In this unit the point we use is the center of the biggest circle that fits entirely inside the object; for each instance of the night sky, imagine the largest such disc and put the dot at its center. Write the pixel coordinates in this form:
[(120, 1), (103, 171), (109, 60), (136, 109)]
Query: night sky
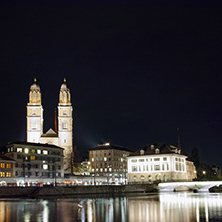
[(137, 71)]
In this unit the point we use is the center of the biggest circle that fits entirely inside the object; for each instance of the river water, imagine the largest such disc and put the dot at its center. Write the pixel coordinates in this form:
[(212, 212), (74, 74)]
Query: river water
[(162, 207)]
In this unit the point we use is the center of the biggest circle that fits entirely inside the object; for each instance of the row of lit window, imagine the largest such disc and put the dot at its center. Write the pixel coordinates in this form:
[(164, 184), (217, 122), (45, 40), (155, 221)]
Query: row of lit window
[(150, 168), (149, 159), (3, 174), (108, 170), (105, 159), (26, 150), (7, 165), (118, 164)]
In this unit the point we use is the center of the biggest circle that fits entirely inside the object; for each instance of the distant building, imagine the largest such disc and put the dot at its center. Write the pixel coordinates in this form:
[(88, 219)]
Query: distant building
[(35, 162), (63, 137), (109, 161), (159, 161)]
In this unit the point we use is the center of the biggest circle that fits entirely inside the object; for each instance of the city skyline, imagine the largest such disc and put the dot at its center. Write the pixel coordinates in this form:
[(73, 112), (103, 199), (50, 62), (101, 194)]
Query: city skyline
[(136, 72)]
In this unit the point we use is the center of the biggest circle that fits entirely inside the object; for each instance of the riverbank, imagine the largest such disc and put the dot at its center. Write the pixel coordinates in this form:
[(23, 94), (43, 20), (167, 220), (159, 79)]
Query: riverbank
[(34, 192)]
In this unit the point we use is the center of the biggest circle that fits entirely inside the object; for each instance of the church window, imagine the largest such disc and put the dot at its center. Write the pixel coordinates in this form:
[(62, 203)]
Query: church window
[(64, 113), (34, 125), (64, 125)]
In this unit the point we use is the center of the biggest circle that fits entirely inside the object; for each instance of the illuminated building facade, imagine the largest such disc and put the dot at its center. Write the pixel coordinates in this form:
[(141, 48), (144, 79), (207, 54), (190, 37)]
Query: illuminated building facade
[(109, 161), (6, 169), (156, 162), (35, 162), (62, 137)]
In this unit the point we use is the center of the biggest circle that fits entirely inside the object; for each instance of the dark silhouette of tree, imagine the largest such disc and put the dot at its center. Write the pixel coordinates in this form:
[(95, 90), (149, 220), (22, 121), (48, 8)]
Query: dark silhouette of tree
[(195, 156)]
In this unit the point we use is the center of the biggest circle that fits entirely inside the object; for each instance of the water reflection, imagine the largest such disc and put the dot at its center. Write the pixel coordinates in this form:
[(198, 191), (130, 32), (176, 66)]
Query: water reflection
[(164, 207)]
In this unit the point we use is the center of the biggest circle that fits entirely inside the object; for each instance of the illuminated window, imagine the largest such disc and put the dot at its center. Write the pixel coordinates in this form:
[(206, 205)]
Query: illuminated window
[(92, 159), (19, 150), (45, 152), (39, 151), (2, 165), (33, 150), (101, 170), (26, 150), (45, 166), (92, 170), (105, 159), (105, 169), (8, 174), (110, 169), (32, 157), (8, 165)]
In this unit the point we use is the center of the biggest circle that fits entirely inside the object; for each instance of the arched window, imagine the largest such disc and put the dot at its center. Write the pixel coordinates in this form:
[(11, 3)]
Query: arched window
[(34, 125), (157, 151), (64, 125)]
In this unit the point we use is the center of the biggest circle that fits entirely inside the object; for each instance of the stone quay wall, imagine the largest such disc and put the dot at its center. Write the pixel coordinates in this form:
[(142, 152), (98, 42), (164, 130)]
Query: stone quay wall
[(33, 192)]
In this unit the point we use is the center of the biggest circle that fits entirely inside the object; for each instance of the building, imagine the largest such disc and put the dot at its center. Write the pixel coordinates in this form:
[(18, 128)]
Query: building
[(35, 162), (63, 137), (6, 169), (160, 161), (109, 161)]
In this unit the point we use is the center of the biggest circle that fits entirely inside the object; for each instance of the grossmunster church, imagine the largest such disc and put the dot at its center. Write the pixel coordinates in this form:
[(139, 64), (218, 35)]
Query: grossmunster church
[(62, 136)]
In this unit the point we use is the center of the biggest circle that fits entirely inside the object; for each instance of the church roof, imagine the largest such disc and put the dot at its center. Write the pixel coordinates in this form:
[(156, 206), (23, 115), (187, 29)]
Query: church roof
[(35, 144), (50, 133), (164, 148)]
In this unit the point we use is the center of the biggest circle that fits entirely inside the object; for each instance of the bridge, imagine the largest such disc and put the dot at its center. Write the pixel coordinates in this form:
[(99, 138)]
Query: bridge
[(196, 186)]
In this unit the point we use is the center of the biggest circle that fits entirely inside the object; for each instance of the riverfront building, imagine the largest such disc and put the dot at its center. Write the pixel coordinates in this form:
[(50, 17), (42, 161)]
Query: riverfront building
[(35, 163), (63, 136), (109, 161), (161, 161)]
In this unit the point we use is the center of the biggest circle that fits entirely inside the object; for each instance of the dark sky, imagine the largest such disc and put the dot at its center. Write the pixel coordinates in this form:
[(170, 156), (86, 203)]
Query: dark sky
[(137, 71)]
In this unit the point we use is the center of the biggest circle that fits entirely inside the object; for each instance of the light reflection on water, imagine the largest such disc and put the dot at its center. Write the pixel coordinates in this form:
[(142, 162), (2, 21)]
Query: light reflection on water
[(164, 207)]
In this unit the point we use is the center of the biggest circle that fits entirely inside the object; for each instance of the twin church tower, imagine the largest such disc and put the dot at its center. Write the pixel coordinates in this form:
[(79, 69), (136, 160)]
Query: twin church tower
[(63, 136)]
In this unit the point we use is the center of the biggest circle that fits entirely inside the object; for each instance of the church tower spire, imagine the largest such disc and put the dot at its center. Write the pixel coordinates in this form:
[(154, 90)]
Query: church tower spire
[(34, 114)]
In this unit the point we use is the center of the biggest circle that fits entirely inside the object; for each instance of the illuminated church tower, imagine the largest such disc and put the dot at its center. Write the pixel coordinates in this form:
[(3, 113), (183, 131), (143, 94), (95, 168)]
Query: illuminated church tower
[(34, 114), (64, 136), (65, 128)]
